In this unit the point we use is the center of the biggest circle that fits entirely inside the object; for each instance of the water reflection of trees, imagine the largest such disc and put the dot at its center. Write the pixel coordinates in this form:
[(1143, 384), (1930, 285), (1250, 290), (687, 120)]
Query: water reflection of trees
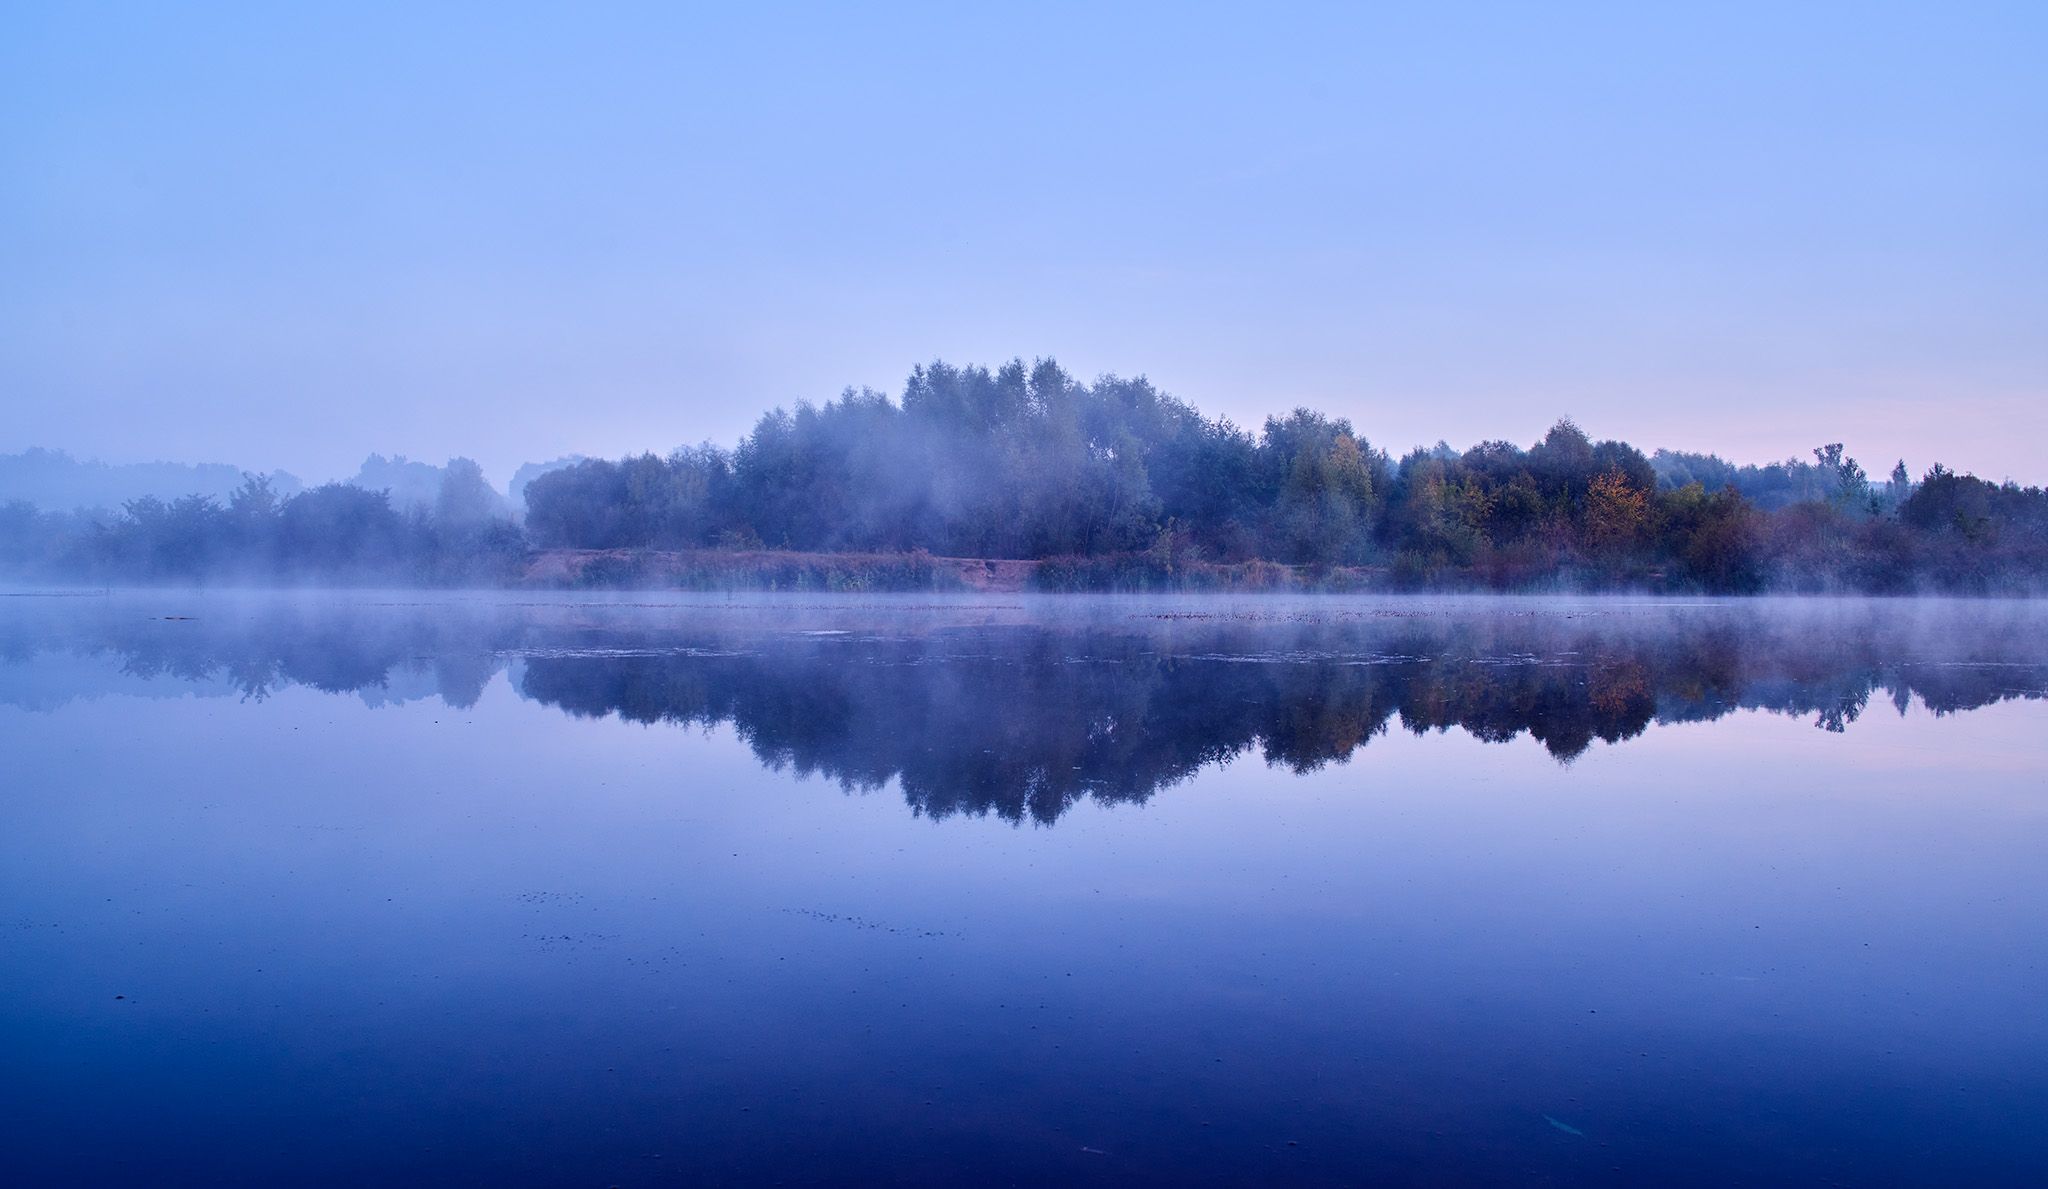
[(260, 649), (1023, 717)]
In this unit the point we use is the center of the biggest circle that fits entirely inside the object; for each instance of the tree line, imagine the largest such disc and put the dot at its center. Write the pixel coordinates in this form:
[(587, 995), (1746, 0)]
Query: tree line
[(1115, 484), (333, 532)]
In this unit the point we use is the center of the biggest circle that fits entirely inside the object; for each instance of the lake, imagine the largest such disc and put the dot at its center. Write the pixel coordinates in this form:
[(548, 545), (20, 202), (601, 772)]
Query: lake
[(392, 888)]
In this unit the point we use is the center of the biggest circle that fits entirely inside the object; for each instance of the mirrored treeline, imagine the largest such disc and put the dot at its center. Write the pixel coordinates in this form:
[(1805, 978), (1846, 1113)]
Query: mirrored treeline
[(1024, 709)]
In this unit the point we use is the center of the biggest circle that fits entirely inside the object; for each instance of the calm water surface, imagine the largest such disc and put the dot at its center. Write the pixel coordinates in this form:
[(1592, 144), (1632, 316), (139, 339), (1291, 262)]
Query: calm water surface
[(397, 889)]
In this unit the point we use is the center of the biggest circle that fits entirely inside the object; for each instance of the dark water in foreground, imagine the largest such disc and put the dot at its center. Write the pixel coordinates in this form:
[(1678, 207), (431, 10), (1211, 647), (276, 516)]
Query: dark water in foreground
[(373, 889)]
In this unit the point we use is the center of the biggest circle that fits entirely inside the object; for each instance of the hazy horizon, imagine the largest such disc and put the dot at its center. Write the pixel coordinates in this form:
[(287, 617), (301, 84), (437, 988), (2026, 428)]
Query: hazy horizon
[(499, 475), (292, 239)]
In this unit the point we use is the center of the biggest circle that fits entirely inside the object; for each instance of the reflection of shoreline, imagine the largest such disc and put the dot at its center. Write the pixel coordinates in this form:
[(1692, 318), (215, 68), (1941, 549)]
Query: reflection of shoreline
[(979, 710)]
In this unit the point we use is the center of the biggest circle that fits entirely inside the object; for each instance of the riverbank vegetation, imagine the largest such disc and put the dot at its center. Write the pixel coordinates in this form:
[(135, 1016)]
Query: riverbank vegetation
[(1105, 485)]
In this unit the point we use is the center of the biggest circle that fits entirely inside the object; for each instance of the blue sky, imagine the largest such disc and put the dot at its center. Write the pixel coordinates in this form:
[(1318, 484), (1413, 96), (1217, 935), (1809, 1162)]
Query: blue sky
[(284, 237)]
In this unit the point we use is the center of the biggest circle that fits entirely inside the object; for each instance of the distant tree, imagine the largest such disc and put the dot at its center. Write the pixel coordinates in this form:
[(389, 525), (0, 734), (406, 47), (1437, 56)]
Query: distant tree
[(581, 506), (1617, 515), (1899, 487), (1848, 487), (1713, 537), (1325, 488), (338, 529), (466, 497)]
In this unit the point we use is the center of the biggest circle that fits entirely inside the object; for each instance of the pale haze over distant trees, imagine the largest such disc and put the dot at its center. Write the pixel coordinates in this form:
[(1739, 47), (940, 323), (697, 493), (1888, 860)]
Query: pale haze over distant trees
[(55, 480), (423, 486)]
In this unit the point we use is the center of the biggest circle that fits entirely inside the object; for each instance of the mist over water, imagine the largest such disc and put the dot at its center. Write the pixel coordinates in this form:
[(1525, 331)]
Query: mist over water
[(1138, 692), (393, 887), (1183, 595)]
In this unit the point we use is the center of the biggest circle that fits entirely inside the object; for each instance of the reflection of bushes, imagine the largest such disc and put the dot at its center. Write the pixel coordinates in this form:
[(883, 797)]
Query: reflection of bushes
[(1026, 722), (1026, 719), (1616, 688)]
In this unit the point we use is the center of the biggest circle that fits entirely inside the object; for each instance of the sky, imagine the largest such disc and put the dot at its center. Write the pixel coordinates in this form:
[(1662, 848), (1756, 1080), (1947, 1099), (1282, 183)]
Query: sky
[(290, 235)]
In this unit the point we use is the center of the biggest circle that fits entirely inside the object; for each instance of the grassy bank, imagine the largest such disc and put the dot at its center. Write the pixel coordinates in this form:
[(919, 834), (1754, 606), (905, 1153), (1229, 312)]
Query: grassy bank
[(787, 570)]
